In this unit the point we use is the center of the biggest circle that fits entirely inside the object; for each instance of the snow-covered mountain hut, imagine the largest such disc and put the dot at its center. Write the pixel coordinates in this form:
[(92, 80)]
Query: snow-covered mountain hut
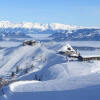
[(68, 50), (30, 42)]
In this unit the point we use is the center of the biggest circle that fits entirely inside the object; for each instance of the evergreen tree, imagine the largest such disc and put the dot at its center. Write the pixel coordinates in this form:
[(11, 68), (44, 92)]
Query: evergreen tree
[(32, 66), (26, 71), (17, 69), (12, 74)]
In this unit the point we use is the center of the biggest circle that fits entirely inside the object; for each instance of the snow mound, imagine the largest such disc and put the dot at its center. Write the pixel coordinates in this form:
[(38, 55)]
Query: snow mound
[(21, 85)]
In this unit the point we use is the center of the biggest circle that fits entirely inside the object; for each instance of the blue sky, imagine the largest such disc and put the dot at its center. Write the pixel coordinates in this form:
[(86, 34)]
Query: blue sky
[(73, 12)]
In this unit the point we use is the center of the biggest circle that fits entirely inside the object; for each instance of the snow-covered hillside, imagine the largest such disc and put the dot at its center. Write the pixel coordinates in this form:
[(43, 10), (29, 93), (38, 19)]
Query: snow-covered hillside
[(44, 74)]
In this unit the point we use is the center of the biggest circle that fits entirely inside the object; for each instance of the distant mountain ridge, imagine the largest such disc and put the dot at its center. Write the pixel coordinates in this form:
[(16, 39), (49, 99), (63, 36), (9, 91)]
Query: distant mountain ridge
[(78, 35), (8, 28), (30, 25), (48, 26), (59, 32)]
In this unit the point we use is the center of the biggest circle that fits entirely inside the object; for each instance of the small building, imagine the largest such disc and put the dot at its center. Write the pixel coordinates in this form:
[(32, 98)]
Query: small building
[(80, 58), (30, 42), (68, 50)]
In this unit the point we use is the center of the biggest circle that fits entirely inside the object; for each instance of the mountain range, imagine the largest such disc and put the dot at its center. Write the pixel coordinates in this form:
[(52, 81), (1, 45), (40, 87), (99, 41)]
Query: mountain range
[(59, 32), (78, 35)]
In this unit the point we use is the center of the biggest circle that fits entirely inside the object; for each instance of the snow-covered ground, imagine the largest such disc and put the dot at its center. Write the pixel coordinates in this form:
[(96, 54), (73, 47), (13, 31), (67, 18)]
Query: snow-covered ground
[(53, 77)]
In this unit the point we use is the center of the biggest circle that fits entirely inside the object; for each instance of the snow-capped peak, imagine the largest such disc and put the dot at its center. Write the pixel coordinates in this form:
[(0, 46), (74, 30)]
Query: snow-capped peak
[(29, 25), (43, 27)]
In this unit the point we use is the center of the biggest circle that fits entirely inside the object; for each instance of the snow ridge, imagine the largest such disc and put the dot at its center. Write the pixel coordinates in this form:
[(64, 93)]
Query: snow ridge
[(51, 26)]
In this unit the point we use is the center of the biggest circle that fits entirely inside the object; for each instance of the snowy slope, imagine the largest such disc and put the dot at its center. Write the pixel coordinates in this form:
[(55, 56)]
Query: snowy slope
[(52, 77)]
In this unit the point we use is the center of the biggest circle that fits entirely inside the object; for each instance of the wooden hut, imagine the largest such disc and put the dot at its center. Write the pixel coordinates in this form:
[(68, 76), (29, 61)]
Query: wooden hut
[(30, 42), (70, 52), (80, 58)]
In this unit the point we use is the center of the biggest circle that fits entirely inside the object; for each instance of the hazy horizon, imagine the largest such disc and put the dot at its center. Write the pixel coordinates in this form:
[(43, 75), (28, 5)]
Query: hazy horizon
[(70, 12)]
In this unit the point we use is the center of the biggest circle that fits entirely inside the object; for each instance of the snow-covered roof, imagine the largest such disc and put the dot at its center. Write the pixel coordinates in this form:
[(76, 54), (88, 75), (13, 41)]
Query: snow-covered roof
[(30, 41), (67, 47)]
